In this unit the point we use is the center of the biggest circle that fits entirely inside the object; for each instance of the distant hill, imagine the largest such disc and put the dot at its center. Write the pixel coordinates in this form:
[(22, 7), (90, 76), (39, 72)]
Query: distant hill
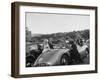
[(60, 36), (36, 35)]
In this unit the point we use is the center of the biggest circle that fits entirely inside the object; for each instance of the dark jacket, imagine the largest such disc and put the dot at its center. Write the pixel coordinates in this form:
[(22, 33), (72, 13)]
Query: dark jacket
[(74, 52)]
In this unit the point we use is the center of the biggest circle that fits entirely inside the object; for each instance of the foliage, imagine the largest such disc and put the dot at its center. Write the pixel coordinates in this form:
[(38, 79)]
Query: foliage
[(60, 37)]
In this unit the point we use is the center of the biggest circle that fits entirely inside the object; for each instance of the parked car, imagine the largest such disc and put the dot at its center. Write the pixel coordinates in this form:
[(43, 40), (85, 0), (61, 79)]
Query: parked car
[(34, 52), (83, 50), (55, 57)]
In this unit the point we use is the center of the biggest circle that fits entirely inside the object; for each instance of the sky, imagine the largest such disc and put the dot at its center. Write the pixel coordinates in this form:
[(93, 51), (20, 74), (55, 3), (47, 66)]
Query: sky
[(45, 23)]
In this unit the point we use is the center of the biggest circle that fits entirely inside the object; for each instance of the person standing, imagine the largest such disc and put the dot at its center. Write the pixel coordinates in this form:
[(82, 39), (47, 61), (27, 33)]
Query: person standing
[(74, 52), (46, 46), (50, 43)]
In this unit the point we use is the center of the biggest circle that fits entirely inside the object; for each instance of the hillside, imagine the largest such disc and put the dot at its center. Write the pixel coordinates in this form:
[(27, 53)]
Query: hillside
[(56, 37)]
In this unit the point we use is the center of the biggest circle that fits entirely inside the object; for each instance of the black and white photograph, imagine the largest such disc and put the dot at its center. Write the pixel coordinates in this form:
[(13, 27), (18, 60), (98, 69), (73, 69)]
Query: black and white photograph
[(57, 39), (53, 39)]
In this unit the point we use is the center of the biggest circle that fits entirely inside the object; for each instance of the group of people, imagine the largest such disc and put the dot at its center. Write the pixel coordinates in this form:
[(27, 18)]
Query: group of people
[(48, 45), (74, 54)]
